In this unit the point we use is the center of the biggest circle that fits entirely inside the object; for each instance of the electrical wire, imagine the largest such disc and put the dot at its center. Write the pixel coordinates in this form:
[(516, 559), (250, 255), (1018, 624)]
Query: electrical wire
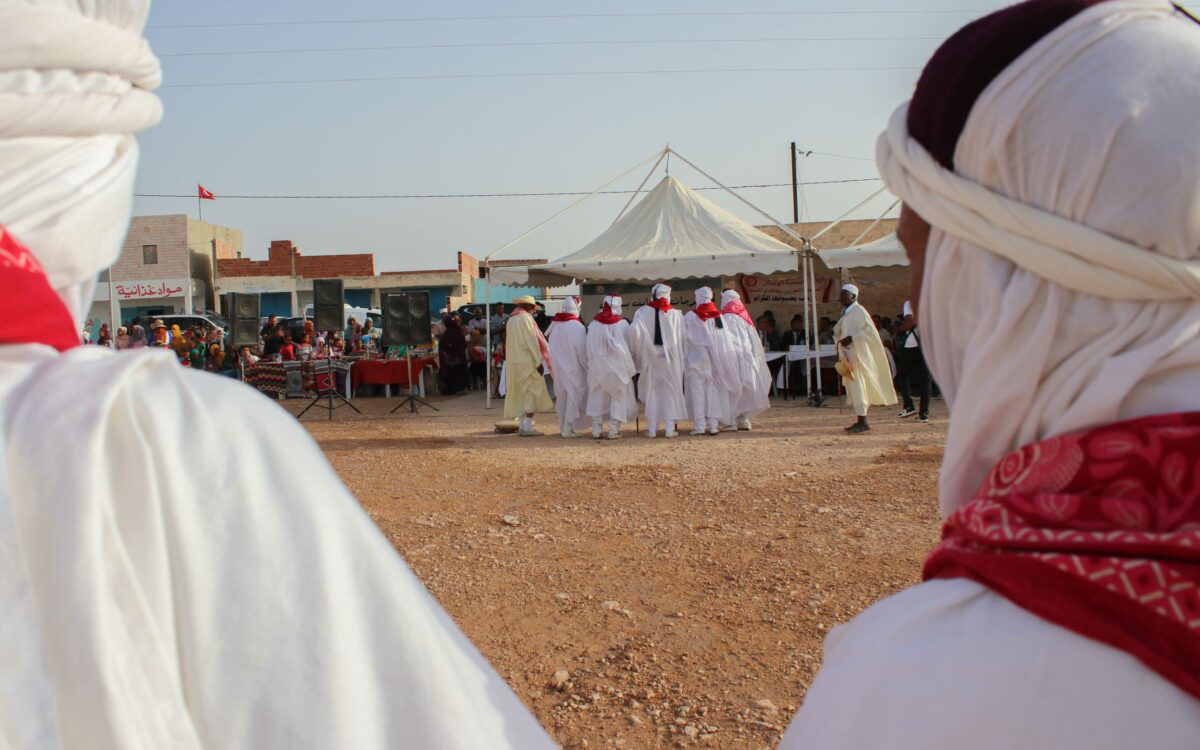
[(587, 43), (556, 74), (473, 195), (571, 16)]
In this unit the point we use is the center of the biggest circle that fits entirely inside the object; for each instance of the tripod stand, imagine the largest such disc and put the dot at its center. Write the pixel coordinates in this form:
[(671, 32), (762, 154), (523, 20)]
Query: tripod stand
[(331, 391), (411, 401)]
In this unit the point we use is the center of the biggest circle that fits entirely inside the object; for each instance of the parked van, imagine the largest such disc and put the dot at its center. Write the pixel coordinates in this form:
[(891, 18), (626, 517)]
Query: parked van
[(360, 314)]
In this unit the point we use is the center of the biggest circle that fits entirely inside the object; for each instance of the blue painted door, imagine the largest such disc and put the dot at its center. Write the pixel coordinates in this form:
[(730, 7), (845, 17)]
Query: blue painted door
[(275, 303), (358, 297)]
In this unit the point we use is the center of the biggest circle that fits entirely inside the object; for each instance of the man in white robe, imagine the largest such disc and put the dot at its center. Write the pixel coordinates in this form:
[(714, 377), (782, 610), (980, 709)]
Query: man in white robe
[(1049, 168), (868, 374), (711, 372), (656, 340), (526, 364), (751, 395), (148, 603), (567, 339), (610, 371)]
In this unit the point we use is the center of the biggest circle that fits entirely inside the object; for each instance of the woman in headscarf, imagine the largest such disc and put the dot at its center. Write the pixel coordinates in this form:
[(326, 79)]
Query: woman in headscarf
[(1049, 164), (104, 338), (452, 358), (138, 339), (122, 338)]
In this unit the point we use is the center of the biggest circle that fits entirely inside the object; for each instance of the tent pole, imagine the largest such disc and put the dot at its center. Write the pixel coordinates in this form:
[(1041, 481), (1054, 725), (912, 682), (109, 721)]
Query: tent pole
[(808, 335), (874, 224), (812, 274), (487, 311), (633, 197)]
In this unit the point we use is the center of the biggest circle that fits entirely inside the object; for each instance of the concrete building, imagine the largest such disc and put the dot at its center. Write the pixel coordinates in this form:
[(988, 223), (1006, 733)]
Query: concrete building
[(165, 267)]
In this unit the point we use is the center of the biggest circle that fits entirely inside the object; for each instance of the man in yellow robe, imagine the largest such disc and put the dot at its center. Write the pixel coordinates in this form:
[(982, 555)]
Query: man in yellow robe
[(869, 380), (526, 360)]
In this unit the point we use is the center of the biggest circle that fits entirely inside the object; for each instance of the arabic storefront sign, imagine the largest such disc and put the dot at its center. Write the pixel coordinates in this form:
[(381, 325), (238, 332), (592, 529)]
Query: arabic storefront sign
[(150, 289)]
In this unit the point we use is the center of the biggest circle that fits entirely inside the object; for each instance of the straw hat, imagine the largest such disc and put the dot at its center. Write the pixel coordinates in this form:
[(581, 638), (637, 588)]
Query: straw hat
[(525, 300), (157, 324)]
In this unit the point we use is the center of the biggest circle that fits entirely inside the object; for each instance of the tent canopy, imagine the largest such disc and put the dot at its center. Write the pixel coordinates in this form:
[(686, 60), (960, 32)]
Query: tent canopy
[(672, 233), (885, 251)]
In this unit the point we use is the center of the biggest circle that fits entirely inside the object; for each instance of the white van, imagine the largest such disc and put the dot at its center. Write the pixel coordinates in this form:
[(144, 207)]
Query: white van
[(358, 313)]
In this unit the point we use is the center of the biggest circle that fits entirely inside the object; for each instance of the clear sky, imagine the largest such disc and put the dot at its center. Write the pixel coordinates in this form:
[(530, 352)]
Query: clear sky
[(456, 131)]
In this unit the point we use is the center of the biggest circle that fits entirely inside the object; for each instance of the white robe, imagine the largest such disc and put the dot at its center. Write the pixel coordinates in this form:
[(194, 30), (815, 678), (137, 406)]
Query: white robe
[(660, 368), (181, 568), (610, 372), (870, 383), (710, 374), (752, 395), (568, 352)]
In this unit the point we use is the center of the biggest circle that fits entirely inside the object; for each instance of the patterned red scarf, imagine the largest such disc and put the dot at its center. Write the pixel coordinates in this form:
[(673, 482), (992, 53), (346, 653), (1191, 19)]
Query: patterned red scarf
[(662, 304), (707, 311), (1098, 532), (30, 311), (607, 316)]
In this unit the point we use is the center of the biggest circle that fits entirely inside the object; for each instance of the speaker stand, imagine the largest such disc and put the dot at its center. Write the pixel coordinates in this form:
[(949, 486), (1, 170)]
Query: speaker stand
[(331, 393), (411, 402)]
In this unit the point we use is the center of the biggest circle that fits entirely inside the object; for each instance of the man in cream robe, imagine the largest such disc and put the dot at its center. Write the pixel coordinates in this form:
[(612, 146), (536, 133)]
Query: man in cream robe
[(750, 393), (567, 339), (656, 340), (526, 360), (869, 379), (147, 603), (711, 372), (610, 371)]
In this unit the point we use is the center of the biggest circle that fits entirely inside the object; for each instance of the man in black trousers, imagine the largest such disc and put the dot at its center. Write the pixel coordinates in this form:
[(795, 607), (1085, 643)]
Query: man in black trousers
[(910, 366)]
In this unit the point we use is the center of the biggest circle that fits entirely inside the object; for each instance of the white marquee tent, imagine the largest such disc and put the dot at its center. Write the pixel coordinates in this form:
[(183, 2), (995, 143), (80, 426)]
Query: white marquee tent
[(885, 251)]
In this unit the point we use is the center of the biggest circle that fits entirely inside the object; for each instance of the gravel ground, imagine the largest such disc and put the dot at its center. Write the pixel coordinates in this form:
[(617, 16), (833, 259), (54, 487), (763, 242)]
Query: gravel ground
[(648, 593)]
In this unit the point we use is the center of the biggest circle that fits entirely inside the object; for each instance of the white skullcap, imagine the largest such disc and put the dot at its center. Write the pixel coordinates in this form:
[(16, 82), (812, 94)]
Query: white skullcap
[(850, 288), (570, 306), (77, 84), (660, 291), (703, 295), (614, 303)]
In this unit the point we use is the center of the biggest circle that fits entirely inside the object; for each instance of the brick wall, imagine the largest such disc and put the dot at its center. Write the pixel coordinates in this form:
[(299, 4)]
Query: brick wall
[(169, 234), (468, 264), (282, 254)]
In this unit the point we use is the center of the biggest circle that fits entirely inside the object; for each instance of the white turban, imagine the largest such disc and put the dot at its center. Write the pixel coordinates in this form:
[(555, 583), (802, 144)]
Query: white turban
[(660, 291), (704, 295), (570, 306), (850, 288), (728, 295), (75, 83), (614, 304), (1060, 286)]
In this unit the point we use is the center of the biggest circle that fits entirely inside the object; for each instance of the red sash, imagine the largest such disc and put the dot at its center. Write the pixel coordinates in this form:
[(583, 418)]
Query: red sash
[(1098, 532), (662, 304), (30, 311), (607, 316), (563, 317), (707, 311)]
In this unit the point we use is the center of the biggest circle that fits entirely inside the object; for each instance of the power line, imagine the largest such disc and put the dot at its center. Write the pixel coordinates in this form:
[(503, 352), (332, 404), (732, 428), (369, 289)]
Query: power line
[(556, 74), (843, 156), (192, 196), (567, 16), (612, 42)]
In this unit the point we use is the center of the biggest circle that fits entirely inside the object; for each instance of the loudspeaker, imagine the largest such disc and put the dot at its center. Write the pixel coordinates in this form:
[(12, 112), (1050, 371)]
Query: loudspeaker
[(329, 299), (243, 319), (406, 319)]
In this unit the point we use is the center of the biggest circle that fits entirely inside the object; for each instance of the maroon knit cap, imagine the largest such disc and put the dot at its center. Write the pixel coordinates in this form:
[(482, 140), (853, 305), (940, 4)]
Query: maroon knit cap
[(969, 61)]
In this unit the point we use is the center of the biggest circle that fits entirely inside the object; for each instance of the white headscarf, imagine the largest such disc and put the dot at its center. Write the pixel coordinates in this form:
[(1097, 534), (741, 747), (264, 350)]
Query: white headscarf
[(1072, 144), (75, 83), (660, 291), (703, 295), (728, 295), (570, 306), (614, 304)]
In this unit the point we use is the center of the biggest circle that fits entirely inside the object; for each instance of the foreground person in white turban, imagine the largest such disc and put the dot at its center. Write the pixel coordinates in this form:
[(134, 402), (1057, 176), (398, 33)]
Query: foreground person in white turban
[(751, 394), (1053, 148), (526, 362), (711, 372), (656, 340), (610, 371), (245, 606), (867, 374), (567, 339)]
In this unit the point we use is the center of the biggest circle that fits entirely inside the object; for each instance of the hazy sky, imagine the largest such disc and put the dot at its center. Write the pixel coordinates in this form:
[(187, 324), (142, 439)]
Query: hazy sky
[(474, 134)]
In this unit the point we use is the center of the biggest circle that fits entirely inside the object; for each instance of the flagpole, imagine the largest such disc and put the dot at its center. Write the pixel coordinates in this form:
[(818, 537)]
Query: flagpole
[(199, 204)]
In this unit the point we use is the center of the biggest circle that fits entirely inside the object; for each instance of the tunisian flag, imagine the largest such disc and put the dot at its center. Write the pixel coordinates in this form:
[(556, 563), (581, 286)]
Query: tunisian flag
[(205, 195)]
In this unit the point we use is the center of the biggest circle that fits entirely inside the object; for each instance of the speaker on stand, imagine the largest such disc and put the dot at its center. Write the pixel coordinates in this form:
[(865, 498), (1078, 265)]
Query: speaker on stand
[(329, 309), (406, 319)]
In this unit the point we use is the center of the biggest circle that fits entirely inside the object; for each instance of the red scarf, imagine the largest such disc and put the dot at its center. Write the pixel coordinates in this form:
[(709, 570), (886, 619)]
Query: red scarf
[(735, 307), (1098, 532), (707, 311), (563, 317), (607, 316), (30, 311), (662, 304)]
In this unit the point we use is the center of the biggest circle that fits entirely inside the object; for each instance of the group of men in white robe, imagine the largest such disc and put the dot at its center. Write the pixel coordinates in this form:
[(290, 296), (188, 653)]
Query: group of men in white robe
[(706, 366)]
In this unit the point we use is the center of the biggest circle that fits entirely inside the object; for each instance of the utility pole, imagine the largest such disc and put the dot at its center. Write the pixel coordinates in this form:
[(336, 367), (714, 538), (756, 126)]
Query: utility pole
[(795, 189)]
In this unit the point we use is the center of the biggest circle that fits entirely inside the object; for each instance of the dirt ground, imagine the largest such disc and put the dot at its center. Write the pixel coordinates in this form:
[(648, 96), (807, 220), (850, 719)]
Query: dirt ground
[(648, 593)]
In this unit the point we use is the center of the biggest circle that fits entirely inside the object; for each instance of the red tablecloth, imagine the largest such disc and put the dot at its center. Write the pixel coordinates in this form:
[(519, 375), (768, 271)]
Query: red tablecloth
[(387, 371)]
